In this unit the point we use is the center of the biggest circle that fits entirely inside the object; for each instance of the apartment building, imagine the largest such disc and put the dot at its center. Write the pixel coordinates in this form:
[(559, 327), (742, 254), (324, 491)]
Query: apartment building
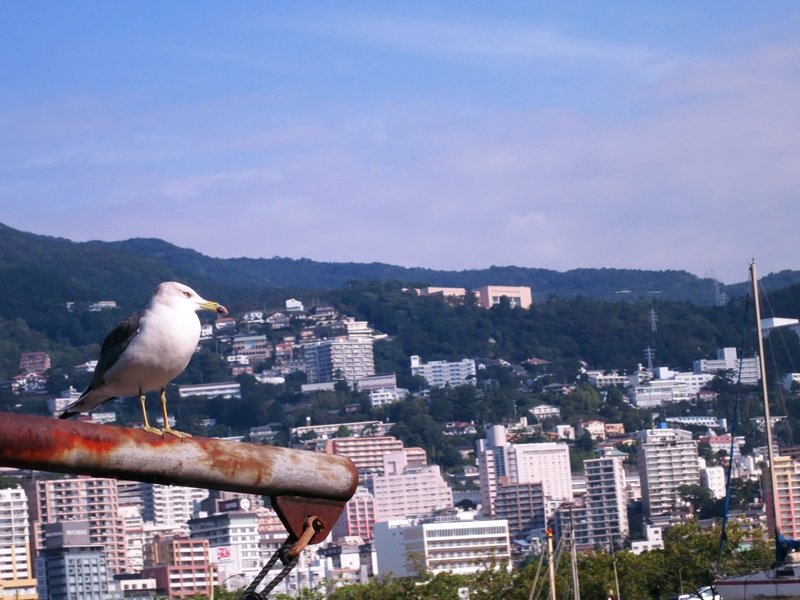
[(460, 547), (180, 566), (347, 358), (605, 500), (521, 504), (358, 517), (367, 453), (408, 491), (441, 373), (169, 505), (787, 477), (238, 533), (254, 347), (81, 499), (16, 566), (667, 459)]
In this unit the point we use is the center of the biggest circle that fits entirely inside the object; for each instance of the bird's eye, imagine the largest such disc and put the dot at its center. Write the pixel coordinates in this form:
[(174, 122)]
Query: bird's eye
[(187, 294)]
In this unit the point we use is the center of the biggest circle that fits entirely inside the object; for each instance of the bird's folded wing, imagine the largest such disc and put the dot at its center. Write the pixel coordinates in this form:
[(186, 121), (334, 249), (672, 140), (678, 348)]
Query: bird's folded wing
[(114, 345)]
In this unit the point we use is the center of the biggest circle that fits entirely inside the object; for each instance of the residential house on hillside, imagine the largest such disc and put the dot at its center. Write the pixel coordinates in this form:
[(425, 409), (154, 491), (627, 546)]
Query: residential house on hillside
[(278, 320), (34, 362), (545, 411), (254, 316)]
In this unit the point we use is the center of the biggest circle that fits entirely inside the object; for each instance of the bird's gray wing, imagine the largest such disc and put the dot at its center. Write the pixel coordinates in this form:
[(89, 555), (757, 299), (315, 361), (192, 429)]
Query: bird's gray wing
[(113, 346)]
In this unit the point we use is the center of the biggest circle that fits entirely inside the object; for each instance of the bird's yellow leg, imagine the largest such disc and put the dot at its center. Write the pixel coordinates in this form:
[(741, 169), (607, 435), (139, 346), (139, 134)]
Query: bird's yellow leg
[(144, 414), (167, 428)]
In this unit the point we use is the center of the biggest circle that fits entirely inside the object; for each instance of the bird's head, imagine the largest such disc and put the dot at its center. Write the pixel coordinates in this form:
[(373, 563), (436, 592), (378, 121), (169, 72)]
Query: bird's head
[(178, 294)]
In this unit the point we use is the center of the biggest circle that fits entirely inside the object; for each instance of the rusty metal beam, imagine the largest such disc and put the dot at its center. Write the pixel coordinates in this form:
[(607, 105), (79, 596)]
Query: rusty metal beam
[(300, 483)]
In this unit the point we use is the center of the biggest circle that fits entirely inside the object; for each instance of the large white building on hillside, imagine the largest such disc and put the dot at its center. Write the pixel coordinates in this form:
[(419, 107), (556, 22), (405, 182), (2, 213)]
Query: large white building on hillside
[(728, 360), (16, 569), (667, 459), (344, 358), (440, 373), (408, 491), (461, 547)]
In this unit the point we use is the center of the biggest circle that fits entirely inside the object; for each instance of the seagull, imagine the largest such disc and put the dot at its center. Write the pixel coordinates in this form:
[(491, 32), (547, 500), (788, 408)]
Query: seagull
[(147, 350)]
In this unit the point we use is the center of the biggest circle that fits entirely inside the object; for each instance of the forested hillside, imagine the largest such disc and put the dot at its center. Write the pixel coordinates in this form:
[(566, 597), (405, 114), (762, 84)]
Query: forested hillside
[(37, 270)]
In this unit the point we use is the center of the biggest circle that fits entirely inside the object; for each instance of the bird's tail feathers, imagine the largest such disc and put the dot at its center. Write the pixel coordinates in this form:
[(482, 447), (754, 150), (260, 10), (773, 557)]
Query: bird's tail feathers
[(88, 401)]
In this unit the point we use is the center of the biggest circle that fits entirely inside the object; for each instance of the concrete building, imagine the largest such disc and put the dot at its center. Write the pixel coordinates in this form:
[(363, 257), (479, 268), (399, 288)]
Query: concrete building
[(713, 478), (767, 325), (489, 296), (379, 381), (521, 504), (169, 505), (383, 397), (254, 347), (211, 390), (440, 373), (658, 392), (546, 411), (408, 491), (461, 547), (547, 463), (367, 453), (237, 532), (667, 459), (442, 291), (358, 518), (605, 500), (347, 358), (357, 429), (787, 476), (81, 499), (71, 567), (654, 540), (34, 362), (16, 566), (180, 566), (727, 360)]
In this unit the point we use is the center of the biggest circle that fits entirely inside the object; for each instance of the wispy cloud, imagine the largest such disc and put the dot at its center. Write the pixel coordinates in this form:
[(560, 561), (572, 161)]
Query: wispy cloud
[(488, 43)]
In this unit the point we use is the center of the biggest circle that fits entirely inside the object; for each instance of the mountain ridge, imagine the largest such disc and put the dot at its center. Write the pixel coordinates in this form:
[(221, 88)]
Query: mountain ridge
[(85, 269)]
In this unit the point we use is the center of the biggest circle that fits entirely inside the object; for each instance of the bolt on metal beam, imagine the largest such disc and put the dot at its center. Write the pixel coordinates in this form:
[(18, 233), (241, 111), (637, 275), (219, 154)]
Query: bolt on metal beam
[(300, 483)]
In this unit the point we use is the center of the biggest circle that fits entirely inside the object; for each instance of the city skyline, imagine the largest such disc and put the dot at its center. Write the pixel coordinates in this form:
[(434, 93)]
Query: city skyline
[(638, 135)]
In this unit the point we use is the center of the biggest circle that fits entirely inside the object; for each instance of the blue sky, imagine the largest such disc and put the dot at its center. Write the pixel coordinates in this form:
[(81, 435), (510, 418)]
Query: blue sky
[(449, 135)]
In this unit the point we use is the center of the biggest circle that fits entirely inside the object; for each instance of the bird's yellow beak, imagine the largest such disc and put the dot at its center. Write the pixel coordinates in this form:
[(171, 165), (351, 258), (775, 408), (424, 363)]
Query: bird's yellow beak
[(214, 307)]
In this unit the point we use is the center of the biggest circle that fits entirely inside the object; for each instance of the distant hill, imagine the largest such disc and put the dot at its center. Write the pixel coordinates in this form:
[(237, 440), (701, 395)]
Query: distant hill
[(41, 269)]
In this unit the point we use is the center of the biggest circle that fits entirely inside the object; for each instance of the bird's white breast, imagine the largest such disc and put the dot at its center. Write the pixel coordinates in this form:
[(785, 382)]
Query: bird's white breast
[(167, 338)]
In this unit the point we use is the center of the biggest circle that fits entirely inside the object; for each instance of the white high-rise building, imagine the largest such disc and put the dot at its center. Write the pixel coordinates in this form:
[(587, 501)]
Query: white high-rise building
[(169, 505), (547, 463), (713, 478), (16, 572), (404, 491), (237, 534), (439, 373), (605, 500), (667, 459), (348, 358)]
